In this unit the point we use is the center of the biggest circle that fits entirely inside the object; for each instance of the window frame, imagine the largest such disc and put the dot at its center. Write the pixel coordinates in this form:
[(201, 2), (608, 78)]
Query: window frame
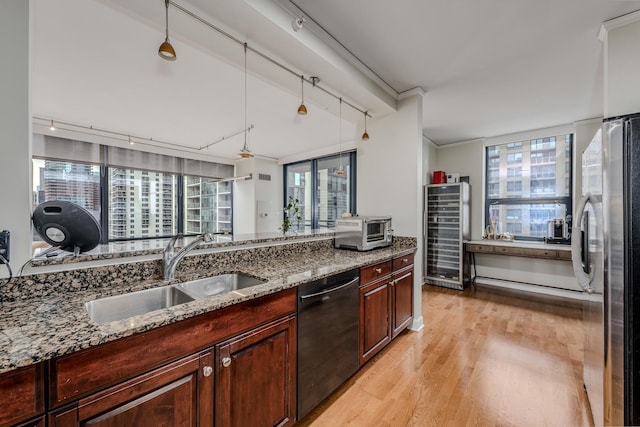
[(567, 200), (315, 208), (180, 200)]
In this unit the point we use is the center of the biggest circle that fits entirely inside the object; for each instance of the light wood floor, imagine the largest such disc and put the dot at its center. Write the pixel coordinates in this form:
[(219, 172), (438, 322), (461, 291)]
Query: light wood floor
[(484, 358)]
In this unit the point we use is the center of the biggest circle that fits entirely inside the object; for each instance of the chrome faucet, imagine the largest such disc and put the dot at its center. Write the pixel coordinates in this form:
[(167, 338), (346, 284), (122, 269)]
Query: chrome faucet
[(170, 259)]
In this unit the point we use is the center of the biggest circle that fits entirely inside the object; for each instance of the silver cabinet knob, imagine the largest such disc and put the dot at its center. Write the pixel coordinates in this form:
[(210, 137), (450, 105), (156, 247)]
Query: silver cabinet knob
[(226, 362), (378, 270), (207, 371), (405, 260)]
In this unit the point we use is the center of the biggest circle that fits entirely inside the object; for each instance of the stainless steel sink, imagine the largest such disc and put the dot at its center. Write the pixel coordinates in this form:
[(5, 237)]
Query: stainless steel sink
[(123, 306), (215, 285)]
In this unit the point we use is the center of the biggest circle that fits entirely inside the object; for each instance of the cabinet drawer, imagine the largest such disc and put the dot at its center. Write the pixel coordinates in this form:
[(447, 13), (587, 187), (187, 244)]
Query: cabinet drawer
[(402, 262), (375, 271), (535, 253), (22, 394), (472, 247), (564, 255)]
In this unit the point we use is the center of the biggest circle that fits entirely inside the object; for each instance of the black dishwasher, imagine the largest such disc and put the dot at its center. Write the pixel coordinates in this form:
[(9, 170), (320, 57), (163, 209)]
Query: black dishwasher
[(327, 337)]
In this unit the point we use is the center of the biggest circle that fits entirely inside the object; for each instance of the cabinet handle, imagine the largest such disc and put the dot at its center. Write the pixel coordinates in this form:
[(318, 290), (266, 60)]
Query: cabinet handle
[(405, 260), (207, 371), (403, 277), (226, 362), (378, 270)]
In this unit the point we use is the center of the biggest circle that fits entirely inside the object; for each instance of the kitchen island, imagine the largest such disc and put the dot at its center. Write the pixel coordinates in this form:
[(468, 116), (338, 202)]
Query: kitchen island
[(52, 321)]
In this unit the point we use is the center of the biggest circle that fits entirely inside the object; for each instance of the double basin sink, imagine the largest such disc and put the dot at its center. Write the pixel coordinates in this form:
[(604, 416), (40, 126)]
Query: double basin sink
[(118, 307)]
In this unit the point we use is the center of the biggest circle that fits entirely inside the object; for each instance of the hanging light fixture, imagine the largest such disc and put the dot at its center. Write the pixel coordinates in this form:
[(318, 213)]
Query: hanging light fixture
[(340, 170), (166, 51), (245, 153), (302, 110), (51, 126), (365, 135), (130, 140)]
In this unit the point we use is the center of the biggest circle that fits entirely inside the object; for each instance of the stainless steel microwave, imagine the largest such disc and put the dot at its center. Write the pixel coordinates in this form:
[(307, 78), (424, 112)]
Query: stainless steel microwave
[(363, 233)]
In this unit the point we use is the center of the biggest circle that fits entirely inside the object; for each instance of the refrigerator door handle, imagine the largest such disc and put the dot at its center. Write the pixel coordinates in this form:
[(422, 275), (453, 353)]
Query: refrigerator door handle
[(576, 247)]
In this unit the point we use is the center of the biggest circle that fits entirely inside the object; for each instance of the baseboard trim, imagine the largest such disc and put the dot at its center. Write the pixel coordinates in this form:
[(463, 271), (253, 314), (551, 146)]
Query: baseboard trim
[(536, 289)]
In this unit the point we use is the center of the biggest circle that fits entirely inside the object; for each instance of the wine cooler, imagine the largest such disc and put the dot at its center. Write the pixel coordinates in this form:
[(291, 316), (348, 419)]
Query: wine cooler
[(446, 229)]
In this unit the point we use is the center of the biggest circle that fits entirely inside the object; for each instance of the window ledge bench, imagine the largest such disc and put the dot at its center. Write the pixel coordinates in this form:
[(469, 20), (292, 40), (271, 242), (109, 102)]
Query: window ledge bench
[(522, 249)]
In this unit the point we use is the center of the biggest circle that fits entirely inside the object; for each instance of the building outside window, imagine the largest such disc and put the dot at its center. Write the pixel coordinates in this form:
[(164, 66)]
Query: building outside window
[(323, 195), (542, 191), (132, 203), (148, 205)]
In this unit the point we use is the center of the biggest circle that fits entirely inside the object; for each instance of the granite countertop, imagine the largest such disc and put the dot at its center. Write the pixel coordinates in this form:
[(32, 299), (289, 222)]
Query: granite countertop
[(42, 328), (134, 248)]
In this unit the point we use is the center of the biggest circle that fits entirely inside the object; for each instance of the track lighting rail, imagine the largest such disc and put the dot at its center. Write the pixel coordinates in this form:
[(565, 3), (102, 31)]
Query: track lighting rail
[(223, 138), (132, 139), (312, 80)]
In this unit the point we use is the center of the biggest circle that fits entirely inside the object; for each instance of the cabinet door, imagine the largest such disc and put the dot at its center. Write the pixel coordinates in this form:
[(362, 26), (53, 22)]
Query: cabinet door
[(22, 394), (179, 394), (256, 377), (401, 300), (374, 318), (37, 422)]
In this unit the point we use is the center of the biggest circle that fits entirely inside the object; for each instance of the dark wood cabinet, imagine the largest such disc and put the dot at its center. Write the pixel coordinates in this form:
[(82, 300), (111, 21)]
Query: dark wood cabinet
[(166, 376), (386, 303), (179, 394), (36, 422), (256, 377), (374, 318), (22, 393), (87, 371), (401, 300)]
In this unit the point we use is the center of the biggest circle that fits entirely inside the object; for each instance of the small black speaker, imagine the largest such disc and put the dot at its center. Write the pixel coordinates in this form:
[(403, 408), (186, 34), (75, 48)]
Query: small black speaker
[(67, 225)]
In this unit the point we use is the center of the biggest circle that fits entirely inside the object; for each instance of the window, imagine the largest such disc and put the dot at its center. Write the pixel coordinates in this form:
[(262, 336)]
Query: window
[(74, 182), (147, 206), (323, 195), (208, 205), (514, 157), (514, 186), (131, 203), (541, 192), (514, 213), (514, 227), (514, 172)]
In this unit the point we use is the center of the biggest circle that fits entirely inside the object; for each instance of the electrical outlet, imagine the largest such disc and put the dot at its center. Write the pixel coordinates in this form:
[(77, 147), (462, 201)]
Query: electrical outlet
[(4, 245)]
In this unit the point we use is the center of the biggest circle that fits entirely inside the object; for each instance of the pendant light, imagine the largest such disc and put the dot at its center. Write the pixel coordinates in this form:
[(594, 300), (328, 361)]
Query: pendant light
[(365, 135), (166, 51), (52, 126), (245, 153), (302, 110), (340, 170)]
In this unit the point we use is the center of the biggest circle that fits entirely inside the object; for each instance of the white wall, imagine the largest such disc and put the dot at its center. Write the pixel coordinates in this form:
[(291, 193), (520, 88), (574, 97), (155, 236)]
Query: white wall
[(268, 195), (15, 129), (429, 154), (621, 69), (389, 167), (254, 198), (389, 176), (467, 159)]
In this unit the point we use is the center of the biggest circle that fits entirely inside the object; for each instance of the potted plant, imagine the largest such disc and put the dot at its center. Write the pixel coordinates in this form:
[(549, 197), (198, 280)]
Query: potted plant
[(291, 211)]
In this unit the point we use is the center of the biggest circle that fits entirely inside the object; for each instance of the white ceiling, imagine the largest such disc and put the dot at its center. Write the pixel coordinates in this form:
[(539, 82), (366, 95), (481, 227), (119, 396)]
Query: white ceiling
[(489, 67)]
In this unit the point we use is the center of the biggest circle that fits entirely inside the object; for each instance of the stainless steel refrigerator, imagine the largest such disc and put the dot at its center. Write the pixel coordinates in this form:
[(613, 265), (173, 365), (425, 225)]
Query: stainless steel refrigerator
[(606, 260)]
